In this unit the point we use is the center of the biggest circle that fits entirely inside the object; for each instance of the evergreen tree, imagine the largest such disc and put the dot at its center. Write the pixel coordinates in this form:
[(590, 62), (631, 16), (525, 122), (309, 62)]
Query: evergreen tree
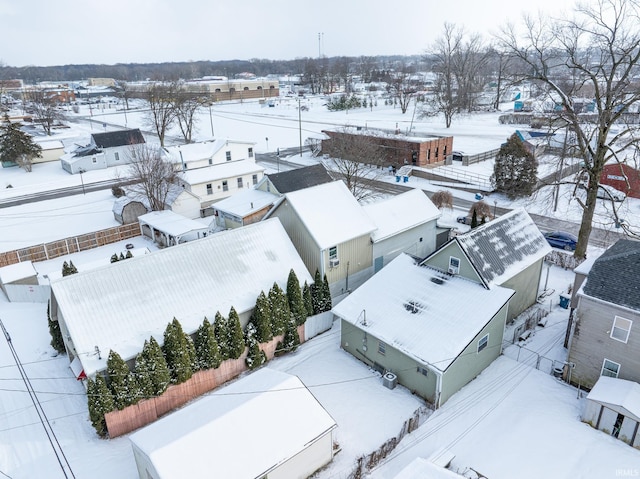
[(306, 296), (114, 258), (177, 352), (220, 330), (294, 298), (261, 319), (129, 254), (121, 257), (291, 338), (236, 337), (317, 294), (100, 401), (255, 356), (474, 219), (279, 309), (121, 382), (151, 371), (515, 171), (326, 295), (57, 342), (16, 146), (207, 352)]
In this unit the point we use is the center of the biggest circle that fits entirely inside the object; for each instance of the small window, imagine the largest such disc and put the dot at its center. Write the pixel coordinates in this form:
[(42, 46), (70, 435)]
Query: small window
[(621, 329), (250, 152), (211, 161), (423, 371), (484, 340), (382, 348), (609, 368), (209, 189), (228, 154), (239, 182), (116, 156), (218, 90), (254, 178), (225, 186), (246, 88), (429, 154), (437, 152), (454, 265), (94, 160), (333, 252)]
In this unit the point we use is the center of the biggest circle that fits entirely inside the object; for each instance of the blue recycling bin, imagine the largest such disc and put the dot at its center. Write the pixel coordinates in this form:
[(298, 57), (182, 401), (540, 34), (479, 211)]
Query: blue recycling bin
[(405, 179), (564, 301), (479, 196), (397, 178)]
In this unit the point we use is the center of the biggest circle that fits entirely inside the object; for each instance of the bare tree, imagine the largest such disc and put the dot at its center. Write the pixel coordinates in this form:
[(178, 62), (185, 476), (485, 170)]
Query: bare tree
[(597, 50), (162, 114), (186, 105), (152, 174), (442, 199), (403, 89), (357, 159), (469, 62), (43, 108)]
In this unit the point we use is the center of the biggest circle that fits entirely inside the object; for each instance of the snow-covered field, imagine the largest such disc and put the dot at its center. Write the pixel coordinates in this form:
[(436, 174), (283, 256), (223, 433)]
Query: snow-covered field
[(513, 421)]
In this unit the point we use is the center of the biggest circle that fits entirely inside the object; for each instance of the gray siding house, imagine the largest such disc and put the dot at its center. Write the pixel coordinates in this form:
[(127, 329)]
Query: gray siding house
[(294, 180), (508, 251), (409, 320), (604, 338)]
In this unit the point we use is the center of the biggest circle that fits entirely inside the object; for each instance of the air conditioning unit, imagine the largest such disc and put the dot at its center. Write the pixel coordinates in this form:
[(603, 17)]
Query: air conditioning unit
[(333, 262), (390, 380), (453, 270)]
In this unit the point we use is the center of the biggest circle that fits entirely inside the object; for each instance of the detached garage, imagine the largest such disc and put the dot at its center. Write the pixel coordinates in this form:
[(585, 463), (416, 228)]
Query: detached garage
[(267, 424), (613, 407)]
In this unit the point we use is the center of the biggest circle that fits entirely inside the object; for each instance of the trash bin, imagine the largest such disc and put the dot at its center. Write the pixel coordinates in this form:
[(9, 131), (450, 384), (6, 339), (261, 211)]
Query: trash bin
[(564, 301), (479, 196), (397, 178), (405, 178)]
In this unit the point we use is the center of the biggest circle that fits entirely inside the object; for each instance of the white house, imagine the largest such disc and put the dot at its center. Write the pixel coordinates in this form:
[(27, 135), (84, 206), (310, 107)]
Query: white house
[(129, 301), (105, 150), (208, 153), (266, 424), (406, 223)]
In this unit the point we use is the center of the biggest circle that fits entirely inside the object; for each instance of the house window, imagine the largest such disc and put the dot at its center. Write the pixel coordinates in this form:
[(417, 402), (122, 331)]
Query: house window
[(94, 160), (254, 178), (454, 265), (225, 186), (239, 182), (211, 161), (609, 368), (333, 252), (621, 329), (484, 340), (423, 371), (429, 154), (382, 348), (116, 156), (228, 153), (209, 189), (250, 152), (436, 152)]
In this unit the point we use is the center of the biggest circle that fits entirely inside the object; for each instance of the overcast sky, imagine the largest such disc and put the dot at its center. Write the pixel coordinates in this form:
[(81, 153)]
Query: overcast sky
[(48, 32)]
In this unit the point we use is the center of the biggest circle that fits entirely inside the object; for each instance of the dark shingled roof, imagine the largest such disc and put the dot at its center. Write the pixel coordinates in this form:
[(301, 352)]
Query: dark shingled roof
[(112, 139), (300, 178), (615, 276)]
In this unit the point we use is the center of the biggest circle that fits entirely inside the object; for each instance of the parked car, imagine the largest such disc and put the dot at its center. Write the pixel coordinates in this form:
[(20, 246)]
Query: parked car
[(606, 192), (465, 220), (562, 240)]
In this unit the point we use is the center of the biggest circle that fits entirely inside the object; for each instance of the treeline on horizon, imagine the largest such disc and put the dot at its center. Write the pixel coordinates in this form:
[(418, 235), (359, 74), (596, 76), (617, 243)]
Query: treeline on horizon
[(197, 69)]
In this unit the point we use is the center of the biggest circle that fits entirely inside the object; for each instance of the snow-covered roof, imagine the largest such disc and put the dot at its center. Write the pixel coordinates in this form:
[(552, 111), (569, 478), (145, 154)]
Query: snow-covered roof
[(50, 144), (330, 213), (502, 248), (199, 151), (422, 312), (269, 413), (171, 223), (17, 271), (131, 300), (400, 213), (421, 467), (617, 392), (220, 171), (245, 202)]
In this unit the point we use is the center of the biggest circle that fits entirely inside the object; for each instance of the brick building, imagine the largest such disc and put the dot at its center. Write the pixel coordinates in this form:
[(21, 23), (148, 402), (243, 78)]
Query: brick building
[(398, 149), (622, 177)]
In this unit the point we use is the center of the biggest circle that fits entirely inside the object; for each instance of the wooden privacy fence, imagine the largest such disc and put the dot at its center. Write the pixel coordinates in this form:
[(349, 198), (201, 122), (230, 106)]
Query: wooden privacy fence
[(73, 244), (149, 410)]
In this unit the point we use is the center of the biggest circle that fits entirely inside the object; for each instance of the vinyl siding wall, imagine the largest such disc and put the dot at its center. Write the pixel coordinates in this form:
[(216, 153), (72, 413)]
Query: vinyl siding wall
[(440, 260), (591, 342), (526, 284), (419, 242)]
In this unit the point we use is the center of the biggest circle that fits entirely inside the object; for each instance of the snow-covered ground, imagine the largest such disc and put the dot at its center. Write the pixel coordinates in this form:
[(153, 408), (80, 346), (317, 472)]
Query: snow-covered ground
[(512, 421)]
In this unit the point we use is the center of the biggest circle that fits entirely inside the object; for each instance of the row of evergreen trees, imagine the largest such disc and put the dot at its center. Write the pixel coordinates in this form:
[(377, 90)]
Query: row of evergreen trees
[(156, 367), (115, 258)]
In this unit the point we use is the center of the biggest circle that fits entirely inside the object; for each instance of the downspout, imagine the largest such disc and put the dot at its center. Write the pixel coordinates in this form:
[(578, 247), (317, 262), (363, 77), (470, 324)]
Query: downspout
[(438, 389)]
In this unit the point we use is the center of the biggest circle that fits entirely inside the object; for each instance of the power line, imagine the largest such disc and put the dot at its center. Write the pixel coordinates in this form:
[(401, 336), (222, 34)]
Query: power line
[(51, 436)]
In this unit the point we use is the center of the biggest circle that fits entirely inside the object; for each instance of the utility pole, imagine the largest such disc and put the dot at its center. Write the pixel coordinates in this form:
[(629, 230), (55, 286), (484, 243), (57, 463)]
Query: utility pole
[(300, 124)]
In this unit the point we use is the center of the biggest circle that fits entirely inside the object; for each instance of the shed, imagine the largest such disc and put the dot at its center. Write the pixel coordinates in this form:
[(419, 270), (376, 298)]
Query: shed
[(223, 434), (613, 407), (169, 228), (22, 274), (243, 208)]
